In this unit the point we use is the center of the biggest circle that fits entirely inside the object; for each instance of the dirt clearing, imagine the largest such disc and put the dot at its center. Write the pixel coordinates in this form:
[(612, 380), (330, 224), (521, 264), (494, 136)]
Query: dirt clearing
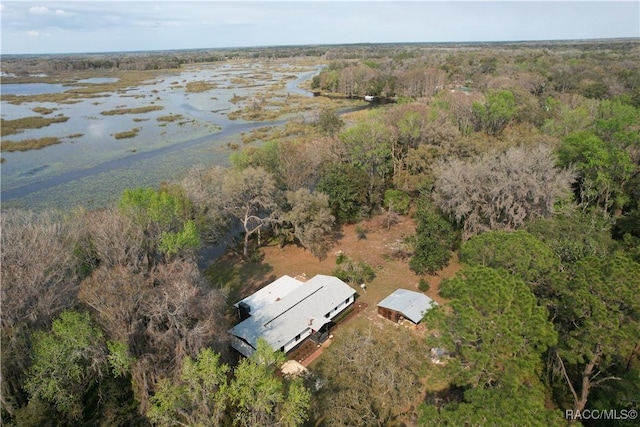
[(384, 249)]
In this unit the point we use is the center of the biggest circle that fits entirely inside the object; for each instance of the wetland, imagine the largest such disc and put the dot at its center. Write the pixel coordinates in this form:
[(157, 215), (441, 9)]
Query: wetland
[(81, 138)]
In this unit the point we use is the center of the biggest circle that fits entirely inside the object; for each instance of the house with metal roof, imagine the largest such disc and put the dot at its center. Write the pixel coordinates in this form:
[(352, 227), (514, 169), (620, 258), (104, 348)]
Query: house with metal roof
[(404, 304), (288, 310)]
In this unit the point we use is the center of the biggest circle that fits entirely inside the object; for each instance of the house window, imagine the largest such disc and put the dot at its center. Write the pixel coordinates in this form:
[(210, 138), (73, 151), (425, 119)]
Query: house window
[(347, 301), (298, 337)]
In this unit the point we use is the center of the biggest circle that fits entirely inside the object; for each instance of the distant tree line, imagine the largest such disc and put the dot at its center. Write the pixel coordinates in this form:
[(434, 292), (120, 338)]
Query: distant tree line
[(416, 71)]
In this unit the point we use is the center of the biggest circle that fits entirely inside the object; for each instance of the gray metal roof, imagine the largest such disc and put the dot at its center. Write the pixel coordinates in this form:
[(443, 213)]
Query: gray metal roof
[(271, 293), (411, 304), (291, 313)]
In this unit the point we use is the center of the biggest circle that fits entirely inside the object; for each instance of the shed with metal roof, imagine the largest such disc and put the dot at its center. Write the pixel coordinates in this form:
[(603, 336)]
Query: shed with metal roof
[(405, 304)]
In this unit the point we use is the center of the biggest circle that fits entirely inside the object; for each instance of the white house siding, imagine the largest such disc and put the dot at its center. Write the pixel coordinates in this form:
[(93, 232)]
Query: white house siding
[(333, 313), (294, 342)]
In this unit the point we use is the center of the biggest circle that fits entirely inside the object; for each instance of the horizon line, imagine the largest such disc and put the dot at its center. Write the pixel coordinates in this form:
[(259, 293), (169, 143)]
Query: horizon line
[(583, 40)]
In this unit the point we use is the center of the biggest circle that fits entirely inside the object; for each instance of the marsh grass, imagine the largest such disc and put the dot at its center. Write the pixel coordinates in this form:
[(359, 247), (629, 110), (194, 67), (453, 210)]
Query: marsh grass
[(138, 110), (259, 115), (274, 105), (79, 91), (75, 135), (240, 81), (260, 134), (43, 110), (234, 115), (200, 86), (12, 127), (127, 134), (60, 98), (170, 118), (28, 144), (236, 99)]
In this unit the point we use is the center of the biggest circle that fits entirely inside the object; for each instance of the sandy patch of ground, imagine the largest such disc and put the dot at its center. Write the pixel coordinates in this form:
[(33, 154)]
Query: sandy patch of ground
[(383, 249)]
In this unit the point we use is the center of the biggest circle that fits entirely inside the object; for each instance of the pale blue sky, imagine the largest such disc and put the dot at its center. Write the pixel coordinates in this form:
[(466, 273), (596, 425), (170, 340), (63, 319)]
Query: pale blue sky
[(94, 26)]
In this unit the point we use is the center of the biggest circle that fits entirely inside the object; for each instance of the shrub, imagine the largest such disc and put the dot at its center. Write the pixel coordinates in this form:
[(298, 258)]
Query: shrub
[(352, 272), (397, 201)]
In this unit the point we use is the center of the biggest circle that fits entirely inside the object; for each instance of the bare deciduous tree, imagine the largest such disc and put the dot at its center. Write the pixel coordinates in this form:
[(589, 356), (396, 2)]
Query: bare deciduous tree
[(461, 106), (298, 163), (311, 219), (112, 239), (183, 317), (38, 266), (419, 82), (115, 293), (250, 197), (371, 378), (501, 191), (38, 282), (163, 316)]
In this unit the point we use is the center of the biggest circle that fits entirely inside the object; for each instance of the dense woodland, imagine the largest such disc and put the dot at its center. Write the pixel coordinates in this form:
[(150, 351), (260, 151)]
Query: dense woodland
[(522, 159)]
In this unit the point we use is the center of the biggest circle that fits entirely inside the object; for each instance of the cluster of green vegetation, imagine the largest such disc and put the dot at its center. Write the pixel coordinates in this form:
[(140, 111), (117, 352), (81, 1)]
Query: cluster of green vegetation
[(353, 272), (137, 110), (12, 127), (531, 173)]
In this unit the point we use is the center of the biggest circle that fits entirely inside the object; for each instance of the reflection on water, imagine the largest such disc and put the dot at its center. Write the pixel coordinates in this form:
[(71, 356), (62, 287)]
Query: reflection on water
[(91, 167), (31, 89), (34, 171), (97, 80)]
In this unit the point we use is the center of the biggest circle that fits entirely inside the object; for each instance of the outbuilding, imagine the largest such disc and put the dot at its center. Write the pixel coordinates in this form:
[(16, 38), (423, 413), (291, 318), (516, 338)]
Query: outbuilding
[(405, 304)]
